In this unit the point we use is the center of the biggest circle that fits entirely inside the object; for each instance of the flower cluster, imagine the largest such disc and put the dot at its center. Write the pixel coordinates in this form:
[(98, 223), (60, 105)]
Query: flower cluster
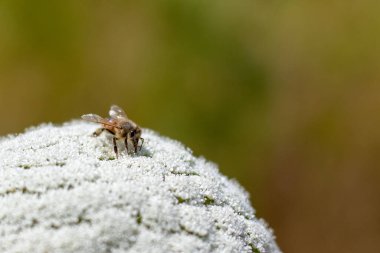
[(62, 190)]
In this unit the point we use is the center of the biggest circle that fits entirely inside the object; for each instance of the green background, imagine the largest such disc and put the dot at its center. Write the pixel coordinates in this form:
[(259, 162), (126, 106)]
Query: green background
[(283, 95)]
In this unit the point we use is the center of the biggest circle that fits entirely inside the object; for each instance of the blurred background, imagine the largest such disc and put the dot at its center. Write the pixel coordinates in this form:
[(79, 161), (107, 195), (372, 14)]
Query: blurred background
[(283, 95)]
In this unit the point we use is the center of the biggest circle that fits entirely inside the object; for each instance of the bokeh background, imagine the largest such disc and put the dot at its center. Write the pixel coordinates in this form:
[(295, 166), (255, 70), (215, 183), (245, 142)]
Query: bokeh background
[(283, 95)]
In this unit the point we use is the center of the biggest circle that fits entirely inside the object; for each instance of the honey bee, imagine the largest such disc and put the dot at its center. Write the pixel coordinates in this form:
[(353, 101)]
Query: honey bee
[(119, 126)]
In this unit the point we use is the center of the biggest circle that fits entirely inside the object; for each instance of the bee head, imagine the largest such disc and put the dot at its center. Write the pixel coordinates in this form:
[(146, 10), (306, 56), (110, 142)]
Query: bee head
[(135, 135)]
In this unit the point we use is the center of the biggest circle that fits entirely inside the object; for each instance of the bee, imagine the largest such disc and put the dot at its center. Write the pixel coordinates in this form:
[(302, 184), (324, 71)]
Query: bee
[(119, 126)]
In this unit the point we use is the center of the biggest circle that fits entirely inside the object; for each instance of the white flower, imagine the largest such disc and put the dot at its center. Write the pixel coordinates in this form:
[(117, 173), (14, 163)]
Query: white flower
[(62, 190)]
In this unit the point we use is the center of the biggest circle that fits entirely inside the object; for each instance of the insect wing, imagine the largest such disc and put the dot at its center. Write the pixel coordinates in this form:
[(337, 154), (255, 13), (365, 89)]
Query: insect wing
[(96, 118), (117, 113)]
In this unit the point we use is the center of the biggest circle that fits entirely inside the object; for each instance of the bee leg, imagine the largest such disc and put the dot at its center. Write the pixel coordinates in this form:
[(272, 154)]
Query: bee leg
[(126, 144), (115, 147), (98, 131), (135, 146), (142, 142)]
